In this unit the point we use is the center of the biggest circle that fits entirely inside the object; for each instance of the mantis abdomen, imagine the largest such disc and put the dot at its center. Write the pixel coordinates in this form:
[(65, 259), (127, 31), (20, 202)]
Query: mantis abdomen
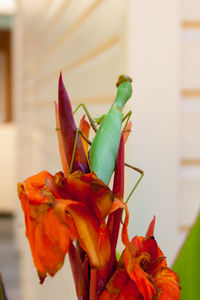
[(103, 152), (104, 148)]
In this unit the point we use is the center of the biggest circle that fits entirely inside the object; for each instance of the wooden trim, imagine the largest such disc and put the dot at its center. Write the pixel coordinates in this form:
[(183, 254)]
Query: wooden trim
[(190, 162), (5, 48), (190, 93), (191, 24), (6, 215), (185, 228)]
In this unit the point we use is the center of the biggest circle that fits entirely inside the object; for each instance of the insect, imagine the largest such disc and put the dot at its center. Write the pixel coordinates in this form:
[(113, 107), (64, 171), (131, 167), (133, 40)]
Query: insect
[(104, 147)]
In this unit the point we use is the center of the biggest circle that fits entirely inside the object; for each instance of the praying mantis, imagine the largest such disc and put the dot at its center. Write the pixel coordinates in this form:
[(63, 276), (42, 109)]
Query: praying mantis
[(104, 147)]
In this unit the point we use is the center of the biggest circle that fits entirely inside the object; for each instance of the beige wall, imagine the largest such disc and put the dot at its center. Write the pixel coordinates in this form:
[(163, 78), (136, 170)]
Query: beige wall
[(92, 41), (190, 115), (81, 39), (154, 61)]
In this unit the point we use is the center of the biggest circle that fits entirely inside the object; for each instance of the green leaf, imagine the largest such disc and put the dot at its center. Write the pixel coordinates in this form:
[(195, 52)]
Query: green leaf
[(187, 264)]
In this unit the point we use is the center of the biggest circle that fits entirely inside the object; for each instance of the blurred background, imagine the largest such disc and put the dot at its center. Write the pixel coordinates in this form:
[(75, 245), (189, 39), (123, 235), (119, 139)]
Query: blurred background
[(157, 43)]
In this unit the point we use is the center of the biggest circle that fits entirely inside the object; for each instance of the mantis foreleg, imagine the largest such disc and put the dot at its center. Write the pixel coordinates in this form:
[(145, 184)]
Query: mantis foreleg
[(138, 181), (88, 115), (127, 116)]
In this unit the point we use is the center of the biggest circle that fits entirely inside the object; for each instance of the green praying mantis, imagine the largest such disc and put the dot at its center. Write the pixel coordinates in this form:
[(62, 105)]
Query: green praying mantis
[(104, 147)]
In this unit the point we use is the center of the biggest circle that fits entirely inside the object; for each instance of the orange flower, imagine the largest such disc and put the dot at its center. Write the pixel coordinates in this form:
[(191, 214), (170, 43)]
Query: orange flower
[(88, 201), (142, 273), (57, 210), (48, 237)]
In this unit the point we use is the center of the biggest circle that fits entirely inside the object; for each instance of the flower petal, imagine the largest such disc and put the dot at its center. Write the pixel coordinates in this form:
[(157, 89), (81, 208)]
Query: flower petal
[(167, 285), (48, 237), (127, 131), (93, 236), (150, 230), (85, 128), (33, 188), (84, 188), (138, 275), (114, 219), (78, 273), (130, 292), (114, 286), (68, 130), (156, 259)]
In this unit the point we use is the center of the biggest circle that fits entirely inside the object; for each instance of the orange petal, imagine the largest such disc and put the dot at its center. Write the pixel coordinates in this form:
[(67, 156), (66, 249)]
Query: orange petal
[(118, 204), (150, 230), (85, 128), (51, 242), (156, 257), (138, 275), (130, 291), (115, 285), (48, 237), (127, 131), (92, 235), (32, 187), (167, 285), (135, 272), (84, 188)]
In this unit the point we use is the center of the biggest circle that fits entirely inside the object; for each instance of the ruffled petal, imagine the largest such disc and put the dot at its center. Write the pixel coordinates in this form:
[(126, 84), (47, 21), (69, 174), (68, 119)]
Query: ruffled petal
[(136, 273), (48, 237), (115, 285), (167, 285), (68, 131), (93, 236), (84, 188)]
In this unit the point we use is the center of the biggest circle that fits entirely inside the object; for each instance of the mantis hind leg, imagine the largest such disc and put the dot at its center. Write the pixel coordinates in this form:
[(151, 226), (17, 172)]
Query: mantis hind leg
[(138, 181), (126, 117), (88, 115), (75, 143)]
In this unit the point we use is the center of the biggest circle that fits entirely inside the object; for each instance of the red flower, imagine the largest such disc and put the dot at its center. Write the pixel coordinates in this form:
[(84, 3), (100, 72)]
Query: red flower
[(142, 273)]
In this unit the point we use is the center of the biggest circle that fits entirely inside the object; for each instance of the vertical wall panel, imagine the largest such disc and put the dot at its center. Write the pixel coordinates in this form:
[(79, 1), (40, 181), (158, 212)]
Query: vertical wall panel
[(190, 115), (155, 147), (2, 86)]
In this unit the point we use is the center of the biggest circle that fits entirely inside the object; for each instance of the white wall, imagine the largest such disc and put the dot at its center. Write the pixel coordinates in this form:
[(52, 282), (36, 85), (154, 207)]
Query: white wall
[(154, 54)]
